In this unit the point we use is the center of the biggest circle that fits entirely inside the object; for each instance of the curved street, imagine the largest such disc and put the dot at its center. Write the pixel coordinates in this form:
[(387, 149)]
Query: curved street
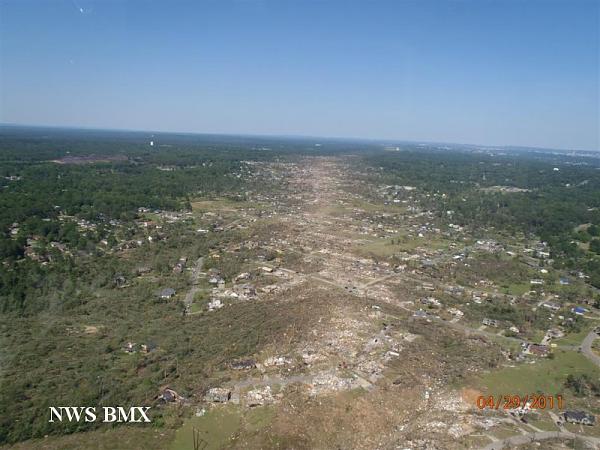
[(586, 348)]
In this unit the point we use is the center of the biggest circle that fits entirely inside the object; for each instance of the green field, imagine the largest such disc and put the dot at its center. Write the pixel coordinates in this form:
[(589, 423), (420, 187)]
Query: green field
[(125, 437), (546, 375), (402, 243), (220, 426), (576, 338)]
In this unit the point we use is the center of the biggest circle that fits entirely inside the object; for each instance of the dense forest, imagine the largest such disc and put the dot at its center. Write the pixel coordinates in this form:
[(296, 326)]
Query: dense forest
[(63, 193)]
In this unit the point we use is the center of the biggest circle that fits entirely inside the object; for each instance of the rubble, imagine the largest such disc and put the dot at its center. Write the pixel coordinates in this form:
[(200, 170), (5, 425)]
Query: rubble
[(329, 382), (276, 361), (259, 397), (244, 364), (218, 395), (215, 304)]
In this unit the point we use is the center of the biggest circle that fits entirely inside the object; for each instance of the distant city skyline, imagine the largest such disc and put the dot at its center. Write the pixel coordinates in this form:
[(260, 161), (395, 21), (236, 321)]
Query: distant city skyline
[(503, 73)]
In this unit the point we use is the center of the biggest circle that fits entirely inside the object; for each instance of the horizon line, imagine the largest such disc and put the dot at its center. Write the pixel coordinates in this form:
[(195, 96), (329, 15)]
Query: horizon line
[(299, 136)]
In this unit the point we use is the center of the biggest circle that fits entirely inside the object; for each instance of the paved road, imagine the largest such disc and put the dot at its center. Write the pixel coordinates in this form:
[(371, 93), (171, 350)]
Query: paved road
[(379, 280), (326, 281), (586, 348), (521, 439)]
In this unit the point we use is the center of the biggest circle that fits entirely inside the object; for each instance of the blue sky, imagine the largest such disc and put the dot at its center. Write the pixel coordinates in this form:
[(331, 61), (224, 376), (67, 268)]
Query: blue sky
[(484, 72)]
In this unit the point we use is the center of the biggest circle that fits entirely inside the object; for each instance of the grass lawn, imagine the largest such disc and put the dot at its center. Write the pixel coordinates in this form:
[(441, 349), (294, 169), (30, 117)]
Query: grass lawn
[(215, 428), (546, 375), (121, 437), (197, 307), (505, 430), (576, 338), (402, 243), (220, 425), (516, 288), (537, 336), (381, 247), (544, 423), (583, 429)]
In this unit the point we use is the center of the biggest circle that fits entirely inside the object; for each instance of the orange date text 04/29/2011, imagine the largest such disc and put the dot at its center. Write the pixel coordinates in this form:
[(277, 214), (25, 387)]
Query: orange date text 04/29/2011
[(531, 401)]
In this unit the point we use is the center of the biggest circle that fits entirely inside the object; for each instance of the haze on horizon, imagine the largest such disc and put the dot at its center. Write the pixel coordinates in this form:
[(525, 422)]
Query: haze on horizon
[(489, 73)]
